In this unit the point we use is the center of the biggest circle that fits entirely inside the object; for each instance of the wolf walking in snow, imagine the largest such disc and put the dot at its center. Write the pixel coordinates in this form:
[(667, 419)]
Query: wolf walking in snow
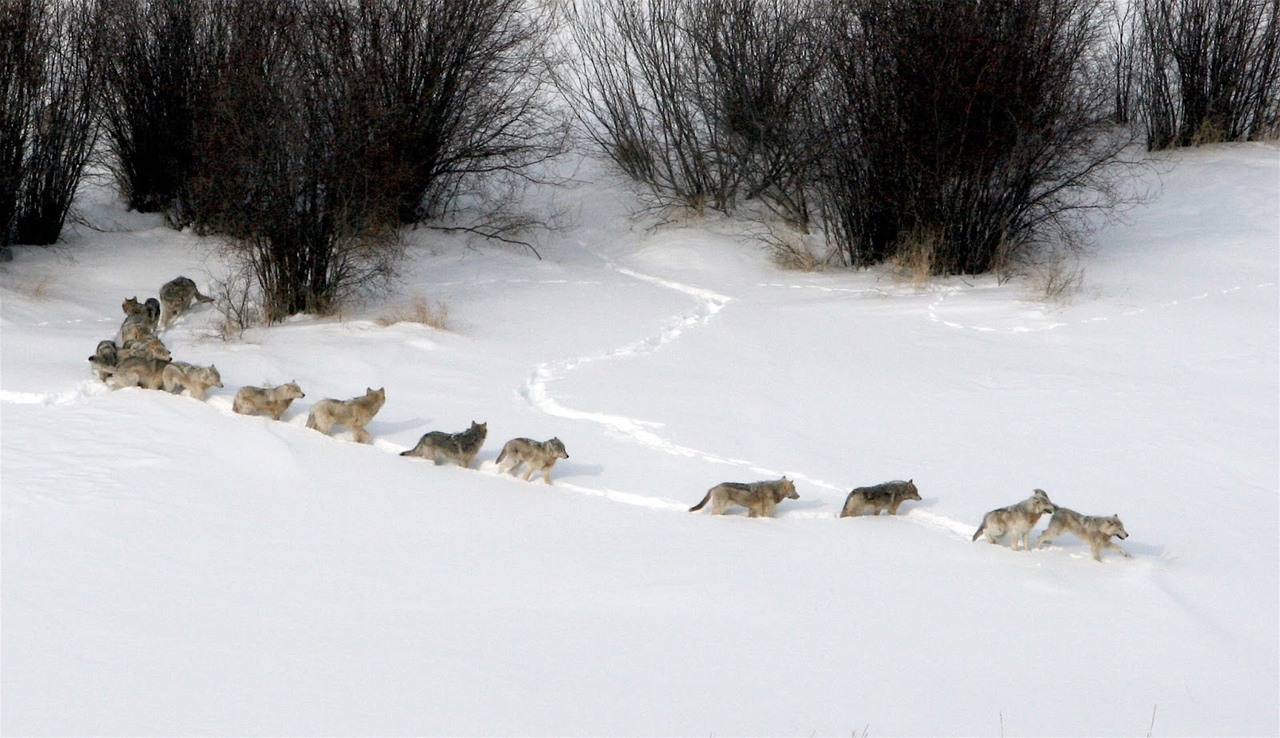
[(354, 413), (198, 379), (760, 498), (1017, 520), (872, 500), (138, 371), (1096, 531), (535, 455), (176, 296), (273, 400), (460, 448)]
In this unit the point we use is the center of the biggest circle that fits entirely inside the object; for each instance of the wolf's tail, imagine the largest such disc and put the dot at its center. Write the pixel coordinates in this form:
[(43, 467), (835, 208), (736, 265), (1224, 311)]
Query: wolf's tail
[(501, 455), (978, 532), (700, 505)]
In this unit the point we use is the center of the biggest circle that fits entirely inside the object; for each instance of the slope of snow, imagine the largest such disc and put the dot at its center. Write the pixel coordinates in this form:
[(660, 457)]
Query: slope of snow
[(170, 567)]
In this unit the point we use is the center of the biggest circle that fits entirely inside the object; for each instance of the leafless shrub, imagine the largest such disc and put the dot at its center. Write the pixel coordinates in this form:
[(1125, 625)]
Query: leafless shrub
[(703, 102), (238, 301), (157, 57), (1059, 278), (1210, 70), (330, 123), (459, 92), (987, 125), (286, 166), (48, 125)]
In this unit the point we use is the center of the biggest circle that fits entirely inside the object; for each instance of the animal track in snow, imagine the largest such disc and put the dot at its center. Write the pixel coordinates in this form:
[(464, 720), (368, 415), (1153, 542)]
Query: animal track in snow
[(944, 293)]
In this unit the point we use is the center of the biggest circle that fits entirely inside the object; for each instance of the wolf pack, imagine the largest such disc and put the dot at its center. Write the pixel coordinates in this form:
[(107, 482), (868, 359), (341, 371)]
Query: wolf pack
[(140, 359)]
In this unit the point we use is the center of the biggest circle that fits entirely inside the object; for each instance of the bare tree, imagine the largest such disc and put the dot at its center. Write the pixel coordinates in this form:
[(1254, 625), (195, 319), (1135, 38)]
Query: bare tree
[(1211, 70), (157, 56), (461, 93), (23, 45), (978, 129), (706, 103), (49, 123), (285, 166), (332, 122)]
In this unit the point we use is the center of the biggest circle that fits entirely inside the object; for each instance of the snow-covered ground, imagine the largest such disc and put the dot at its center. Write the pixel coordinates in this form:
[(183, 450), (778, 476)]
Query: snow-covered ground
[(172, 568)]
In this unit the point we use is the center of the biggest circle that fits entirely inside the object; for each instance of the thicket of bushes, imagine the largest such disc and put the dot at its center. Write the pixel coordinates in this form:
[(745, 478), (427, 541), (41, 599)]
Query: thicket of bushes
[(957, 136)]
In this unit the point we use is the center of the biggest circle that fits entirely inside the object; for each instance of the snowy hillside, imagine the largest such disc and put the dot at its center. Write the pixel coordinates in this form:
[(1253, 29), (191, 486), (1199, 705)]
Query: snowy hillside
[(172, 568)]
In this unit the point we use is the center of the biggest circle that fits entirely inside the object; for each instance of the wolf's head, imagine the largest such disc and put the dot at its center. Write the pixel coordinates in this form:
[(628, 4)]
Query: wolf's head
[(556, 447), (787, 489), (910, 492), (1113, 527), (1039, 503)]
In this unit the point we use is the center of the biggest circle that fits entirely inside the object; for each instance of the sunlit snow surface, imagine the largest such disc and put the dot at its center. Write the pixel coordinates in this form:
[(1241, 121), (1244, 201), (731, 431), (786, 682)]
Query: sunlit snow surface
[(172, 568)]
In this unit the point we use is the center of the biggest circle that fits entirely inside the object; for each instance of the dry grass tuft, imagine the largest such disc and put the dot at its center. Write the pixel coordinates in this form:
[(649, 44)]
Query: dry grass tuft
[(419, 310), (914, 257)]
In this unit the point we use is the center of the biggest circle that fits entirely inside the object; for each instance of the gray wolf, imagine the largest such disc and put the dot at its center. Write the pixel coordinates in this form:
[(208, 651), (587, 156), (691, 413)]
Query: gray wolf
[(138, 371), (460, 448), (1017, 520), (176, 296), (146, 313), (760, 498), (135, 331), (871, 500), (274, 400), (354, 413), (147, 346), (1096, 531), (105, 358), (535, 455), (198, 379)]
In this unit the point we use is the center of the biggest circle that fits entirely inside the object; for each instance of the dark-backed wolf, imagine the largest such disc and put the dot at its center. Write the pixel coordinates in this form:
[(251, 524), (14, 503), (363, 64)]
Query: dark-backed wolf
[(354, 413), (273, 400), (871, 500), (105, 358), (176, 296), (1095, 531), (760, 498), (535, 455), (460, 448), (1017, 520)]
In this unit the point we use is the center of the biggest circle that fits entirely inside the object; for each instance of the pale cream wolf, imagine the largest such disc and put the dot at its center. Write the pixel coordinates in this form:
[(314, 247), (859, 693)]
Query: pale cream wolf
[(1017, 520), (105, 358), (1096, 531), (871, 500), (460, 448), (176, 296), (535, 455), (354, 413), (760, 498), (275, 400), (138, 371), (198, 379)]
